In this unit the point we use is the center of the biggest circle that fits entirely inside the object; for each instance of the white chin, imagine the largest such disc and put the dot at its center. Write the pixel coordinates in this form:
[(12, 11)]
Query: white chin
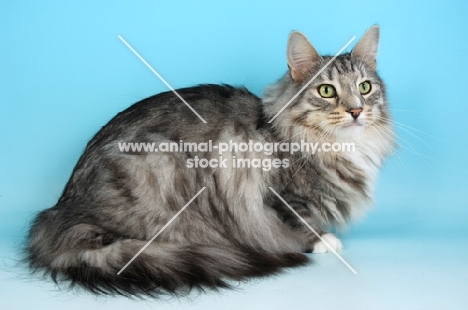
[(348, 131)]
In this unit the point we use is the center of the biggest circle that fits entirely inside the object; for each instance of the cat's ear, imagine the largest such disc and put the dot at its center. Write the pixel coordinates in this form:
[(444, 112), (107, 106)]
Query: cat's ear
[(302, 56), (366, 48)]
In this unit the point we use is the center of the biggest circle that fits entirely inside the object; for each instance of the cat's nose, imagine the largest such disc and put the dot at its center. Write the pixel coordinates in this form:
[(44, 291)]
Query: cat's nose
[(355, 112)]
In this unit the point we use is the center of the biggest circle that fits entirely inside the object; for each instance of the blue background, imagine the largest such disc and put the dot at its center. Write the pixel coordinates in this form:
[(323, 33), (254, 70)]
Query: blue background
[(64, 73)]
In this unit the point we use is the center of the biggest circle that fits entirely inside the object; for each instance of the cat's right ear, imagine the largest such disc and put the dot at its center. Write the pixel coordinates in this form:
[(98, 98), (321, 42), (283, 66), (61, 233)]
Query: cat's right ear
[(366, 48), (302, 56)]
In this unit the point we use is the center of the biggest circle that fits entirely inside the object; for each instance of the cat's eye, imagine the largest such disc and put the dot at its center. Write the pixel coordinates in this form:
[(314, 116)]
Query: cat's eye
[(327, 91), (365, 87)]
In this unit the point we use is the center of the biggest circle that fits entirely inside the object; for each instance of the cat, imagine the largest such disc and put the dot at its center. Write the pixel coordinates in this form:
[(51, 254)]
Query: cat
[(237, 227)]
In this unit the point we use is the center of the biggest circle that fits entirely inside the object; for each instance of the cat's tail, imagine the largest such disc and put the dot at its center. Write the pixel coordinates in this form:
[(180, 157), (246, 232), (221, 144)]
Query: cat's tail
[(91, 257)]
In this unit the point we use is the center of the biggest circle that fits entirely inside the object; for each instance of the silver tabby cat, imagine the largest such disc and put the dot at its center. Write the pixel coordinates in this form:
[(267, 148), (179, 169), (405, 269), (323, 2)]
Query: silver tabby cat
[(237, 228)]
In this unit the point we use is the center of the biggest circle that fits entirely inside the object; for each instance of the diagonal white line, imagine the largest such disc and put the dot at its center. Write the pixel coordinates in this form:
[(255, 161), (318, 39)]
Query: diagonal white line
[(159, 232), (311, 80), (161, 78), (313, 230)]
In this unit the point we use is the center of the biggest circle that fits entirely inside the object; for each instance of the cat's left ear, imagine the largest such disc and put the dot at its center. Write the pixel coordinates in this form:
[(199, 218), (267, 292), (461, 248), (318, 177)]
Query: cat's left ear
[(366, 48), (302, 56)]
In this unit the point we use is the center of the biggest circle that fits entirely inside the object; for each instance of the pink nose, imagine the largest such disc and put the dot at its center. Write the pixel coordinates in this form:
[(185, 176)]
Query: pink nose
[(355, 112)]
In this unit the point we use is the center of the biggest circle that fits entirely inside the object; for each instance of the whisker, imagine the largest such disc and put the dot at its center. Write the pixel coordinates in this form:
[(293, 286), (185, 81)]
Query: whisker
[(404, 110), (412, 134), (399, 125), (399, 162), (422, 132), (411, 149)]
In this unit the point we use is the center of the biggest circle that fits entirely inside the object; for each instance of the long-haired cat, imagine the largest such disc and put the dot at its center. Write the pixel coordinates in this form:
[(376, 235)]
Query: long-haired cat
[(237, 227)]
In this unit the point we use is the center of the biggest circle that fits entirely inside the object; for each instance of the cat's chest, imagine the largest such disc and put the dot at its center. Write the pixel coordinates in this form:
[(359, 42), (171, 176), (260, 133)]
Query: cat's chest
[(364, 160), (349, 181), (350, 172)]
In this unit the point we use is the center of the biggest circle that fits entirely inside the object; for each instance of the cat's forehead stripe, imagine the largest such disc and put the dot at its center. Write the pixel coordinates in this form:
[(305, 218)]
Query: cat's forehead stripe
[(342, 66)]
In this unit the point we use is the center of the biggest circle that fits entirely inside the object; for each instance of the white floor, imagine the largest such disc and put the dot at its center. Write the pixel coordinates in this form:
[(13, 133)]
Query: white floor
[(393, 273)]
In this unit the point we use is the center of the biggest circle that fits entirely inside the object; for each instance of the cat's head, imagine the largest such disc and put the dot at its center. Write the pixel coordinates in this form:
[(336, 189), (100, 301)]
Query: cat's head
[(337, 99)]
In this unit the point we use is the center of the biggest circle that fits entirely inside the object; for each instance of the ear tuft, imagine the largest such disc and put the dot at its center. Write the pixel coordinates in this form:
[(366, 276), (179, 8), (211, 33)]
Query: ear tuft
[(366, 48), (302, 56)]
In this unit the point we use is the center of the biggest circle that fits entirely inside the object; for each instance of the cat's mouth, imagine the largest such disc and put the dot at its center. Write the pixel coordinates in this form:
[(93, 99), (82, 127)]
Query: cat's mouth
[(354, 123), (352, 128)]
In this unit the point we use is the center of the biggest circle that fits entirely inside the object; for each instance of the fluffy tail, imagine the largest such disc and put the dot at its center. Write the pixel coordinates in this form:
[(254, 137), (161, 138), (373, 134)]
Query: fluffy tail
[(89, 256)]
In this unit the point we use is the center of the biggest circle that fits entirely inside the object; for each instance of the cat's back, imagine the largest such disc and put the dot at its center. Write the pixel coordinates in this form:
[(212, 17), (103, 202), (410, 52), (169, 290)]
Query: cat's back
[(220, 106)]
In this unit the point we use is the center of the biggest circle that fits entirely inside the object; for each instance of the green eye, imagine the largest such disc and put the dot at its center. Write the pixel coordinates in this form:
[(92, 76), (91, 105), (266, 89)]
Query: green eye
[(327, 91), (365, 87)]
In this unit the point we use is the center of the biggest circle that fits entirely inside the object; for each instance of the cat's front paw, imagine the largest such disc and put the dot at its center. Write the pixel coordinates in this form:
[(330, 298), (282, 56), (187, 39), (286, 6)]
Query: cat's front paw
[(328, 239)]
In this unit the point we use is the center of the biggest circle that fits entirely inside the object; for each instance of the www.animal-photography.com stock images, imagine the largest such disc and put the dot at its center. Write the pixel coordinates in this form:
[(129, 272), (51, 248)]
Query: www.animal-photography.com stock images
[(234, 155)]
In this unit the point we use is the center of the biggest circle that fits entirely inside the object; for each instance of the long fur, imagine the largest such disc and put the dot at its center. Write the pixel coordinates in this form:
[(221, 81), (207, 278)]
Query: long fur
[(93, 257), (115, 202)]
